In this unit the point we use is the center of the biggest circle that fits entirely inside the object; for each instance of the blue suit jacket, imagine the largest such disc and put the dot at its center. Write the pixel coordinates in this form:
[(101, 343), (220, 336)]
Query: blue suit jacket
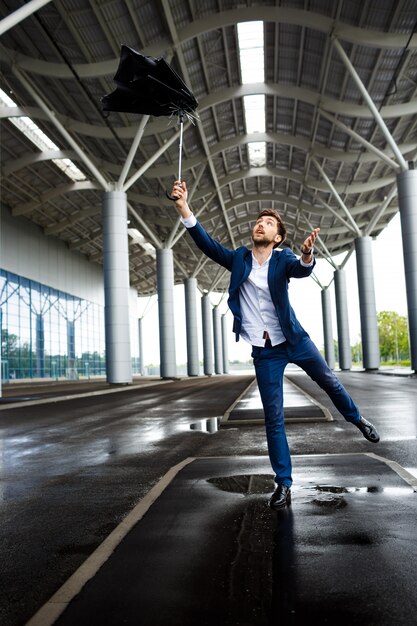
[(282, 266)]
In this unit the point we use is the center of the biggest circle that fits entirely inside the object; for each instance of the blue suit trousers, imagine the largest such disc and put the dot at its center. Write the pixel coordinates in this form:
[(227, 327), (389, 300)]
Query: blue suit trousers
[(270, 363)]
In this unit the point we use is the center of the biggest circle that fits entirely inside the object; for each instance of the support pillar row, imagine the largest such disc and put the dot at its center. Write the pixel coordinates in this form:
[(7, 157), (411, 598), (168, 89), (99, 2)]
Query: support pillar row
[(190, 291), (116, 287), (207, 335), (327, 329), (141, 351), (165, 287), (345, 355), (367, 303), (218, 348), (407, 202), (224, 343)]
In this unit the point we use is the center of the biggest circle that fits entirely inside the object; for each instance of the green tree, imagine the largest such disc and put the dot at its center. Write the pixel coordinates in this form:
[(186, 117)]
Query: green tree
[(356, 351), (9, 343), (393, 336)]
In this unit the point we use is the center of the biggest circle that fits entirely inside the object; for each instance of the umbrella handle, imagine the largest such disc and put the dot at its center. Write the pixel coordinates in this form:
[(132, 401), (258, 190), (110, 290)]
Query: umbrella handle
[(170, 197)]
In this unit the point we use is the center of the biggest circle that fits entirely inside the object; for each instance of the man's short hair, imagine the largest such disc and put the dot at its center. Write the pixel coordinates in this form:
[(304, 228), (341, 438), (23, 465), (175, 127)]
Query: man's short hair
[(281, 226)]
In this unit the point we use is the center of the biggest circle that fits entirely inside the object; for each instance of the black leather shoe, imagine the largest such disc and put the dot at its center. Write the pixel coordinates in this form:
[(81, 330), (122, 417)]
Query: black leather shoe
[(368, 430), (280, 498)]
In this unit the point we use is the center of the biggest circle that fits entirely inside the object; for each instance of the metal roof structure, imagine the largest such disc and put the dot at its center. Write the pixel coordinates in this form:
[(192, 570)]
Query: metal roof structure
[(328, 162)]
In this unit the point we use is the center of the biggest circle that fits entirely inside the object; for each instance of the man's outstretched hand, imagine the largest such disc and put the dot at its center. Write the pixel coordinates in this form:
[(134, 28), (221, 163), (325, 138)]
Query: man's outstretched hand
[(309, 242)]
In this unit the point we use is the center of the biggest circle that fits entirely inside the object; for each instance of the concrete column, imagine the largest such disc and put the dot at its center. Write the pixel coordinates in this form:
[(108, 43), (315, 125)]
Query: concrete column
[(165, 287), (193, 364), (141, 355), (407, 202), (1, 341), (40, 347), (72, 373), (71, 340), (327, 329), (207, 335), (367, 304), (116, 287), (224, 343), (217, 336), (343, 338)]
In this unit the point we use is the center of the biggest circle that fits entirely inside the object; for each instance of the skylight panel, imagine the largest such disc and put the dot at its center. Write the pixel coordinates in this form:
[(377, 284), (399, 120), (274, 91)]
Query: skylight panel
[(251, 54), (251, 51), (257, 153), (254, 113), (40, 140)]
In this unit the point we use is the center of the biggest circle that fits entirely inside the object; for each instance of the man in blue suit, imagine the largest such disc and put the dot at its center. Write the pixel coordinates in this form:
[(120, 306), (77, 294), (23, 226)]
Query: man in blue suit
[(263, 316)]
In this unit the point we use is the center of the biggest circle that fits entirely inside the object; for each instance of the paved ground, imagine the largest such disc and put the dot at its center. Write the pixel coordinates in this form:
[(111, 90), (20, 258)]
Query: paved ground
[(72, 470)]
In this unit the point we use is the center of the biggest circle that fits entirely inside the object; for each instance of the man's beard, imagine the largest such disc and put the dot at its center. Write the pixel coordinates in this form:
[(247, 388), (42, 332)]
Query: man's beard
[(261, 243)]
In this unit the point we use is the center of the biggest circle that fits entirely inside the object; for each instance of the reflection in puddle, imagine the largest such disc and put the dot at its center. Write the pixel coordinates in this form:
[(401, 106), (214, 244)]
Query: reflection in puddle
[(333, 489), (247, 484), (263, 579), (322, 495), (209, 425)]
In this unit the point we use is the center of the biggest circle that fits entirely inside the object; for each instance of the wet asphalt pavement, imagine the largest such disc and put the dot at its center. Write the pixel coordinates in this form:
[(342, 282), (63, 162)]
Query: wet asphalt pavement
[(73, 469)]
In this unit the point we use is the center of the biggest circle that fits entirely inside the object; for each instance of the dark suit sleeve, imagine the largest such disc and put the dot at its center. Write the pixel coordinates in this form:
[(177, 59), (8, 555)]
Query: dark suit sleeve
[(212, 248), (294, 269)]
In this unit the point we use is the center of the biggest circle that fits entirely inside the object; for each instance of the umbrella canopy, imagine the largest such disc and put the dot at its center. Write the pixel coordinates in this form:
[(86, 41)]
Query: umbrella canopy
[(148, 85)]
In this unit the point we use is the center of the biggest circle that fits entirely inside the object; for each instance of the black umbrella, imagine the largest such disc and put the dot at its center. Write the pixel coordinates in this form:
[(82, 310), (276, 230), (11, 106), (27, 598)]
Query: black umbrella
[(152, 87)]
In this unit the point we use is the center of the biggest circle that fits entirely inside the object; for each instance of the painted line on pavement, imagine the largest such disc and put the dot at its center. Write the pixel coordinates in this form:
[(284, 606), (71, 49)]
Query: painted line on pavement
[(328, 417), (99, 392), (57, 604), (226, 414), (397, 468), (327, 414)]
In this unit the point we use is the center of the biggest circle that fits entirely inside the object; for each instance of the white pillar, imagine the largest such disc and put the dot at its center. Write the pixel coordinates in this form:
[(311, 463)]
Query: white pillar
[(1, 366), (190, 291), (116, 287), (141, 355), (367, 303), (224, 343), (207, 335), (327, 329), (343, 338), (217, 340), (407, 202), (165, 286)]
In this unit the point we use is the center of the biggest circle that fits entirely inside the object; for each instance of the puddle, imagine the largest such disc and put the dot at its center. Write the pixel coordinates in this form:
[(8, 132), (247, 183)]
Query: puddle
[(335, 502), (327, 496)]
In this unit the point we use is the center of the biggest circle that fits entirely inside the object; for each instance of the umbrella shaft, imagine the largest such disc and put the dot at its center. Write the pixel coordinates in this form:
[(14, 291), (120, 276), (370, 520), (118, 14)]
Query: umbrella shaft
[(180, 151)]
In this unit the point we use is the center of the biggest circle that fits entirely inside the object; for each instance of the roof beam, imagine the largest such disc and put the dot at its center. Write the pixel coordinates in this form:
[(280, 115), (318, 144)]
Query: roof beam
[(375, 113), (369, 146), (337, 196), (174, 35), (150, 161), (216, 21), (21, 14), (132, 151), (53, 118)]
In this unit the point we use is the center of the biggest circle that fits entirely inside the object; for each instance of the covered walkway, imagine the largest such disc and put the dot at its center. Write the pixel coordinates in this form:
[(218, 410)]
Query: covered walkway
[(166, 523)]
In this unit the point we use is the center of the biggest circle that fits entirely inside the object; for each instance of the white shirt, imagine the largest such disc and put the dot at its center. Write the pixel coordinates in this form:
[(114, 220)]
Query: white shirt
[(257, 308)]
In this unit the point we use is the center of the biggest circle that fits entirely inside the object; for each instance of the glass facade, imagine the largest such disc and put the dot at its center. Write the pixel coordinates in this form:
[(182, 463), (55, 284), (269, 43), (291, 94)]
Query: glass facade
[(46, 333)]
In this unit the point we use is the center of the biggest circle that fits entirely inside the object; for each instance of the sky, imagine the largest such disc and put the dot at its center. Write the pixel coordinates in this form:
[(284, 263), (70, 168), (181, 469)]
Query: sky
[(305, 297)]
